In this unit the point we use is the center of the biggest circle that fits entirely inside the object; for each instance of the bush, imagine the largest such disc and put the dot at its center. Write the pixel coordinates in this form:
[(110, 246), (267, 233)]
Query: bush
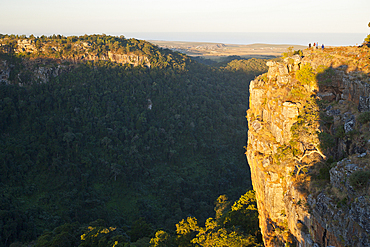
[(367, 39), (298, 93), (326, 140), (359, 179), (290, 52), (339, 131), (306, 75), (364, 117), (324, 173)]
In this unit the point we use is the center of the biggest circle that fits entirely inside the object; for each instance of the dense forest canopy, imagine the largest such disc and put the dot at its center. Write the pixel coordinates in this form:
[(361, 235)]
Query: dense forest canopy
[(90, 146)]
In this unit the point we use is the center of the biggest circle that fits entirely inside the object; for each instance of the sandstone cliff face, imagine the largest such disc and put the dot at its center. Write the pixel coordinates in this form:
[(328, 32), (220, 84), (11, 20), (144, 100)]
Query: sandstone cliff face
[(133, 59), (307, 138), (40, 70)]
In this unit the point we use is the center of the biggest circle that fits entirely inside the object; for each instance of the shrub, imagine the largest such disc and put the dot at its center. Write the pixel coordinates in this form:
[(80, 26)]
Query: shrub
[(324, 173), (298, 94), (290, 52), (306, 75), (325, 119), (326, 140), (342, 203), (359, 179), (364, 117), (339, 131), (367, 39)]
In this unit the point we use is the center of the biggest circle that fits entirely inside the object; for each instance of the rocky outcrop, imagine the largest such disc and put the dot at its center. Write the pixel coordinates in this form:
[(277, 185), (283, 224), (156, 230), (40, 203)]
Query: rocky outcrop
[(33, 71), (43, 74), (4, 71), (306, 139), (26, 45), (133, 59)]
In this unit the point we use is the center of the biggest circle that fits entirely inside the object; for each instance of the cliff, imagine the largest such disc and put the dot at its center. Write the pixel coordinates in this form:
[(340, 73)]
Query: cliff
[(37, 61), (308, 143), (82, 52)]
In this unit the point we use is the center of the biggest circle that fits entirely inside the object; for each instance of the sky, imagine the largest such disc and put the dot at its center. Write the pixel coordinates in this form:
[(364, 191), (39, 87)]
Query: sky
[(79, 17)]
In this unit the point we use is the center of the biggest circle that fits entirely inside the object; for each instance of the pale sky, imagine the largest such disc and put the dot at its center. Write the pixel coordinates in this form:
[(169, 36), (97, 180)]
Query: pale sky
[(80, 17)]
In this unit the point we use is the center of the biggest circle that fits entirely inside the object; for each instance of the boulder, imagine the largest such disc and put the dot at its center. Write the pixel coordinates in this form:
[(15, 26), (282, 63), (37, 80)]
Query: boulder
[(290, 110), (349, 124)]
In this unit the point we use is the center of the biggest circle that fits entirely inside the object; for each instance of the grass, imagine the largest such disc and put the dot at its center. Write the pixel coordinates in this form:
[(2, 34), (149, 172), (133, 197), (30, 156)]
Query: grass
[(364, 117)]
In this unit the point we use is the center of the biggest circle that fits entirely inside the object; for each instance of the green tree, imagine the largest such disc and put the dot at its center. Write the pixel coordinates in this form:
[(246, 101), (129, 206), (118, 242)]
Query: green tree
[(64, 235)]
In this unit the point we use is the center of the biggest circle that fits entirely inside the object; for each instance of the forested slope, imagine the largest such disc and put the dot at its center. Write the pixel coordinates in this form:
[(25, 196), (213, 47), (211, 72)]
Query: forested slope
[(138, 147)]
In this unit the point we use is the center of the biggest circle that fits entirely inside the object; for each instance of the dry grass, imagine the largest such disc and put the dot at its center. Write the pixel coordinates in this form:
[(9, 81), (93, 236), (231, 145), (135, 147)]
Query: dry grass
[(338, 194)]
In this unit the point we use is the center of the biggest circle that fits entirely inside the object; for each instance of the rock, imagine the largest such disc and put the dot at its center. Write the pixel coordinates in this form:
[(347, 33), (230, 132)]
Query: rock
[(282, 80), (266, 162), (361, 155), (329, 96), (4, 72), (364, 104), (297, 59), (277, 133), (256, 125), (290, 110), (349, 124), (340, 173), (360, 213), (331, 112), (283, 69), (333, 214), (270, 63), (129, 59)]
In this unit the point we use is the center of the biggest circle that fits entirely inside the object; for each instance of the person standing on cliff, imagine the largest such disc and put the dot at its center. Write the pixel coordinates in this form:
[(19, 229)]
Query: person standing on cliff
[(314, 44), (322, 47), (309, 45), (317, 45)]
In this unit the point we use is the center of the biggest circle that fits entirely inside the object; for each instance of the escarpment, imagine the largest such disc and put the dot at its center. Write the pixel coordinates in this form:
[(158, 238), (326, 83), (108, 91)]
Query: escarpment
[(31, 60), (308, 143), (82, 52)]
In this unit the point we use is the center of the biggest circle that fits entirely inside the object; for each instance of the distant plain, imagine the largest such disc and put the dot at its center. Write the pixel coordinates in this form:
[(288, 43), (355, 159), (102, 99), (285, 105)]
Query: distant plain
[(219, 50)]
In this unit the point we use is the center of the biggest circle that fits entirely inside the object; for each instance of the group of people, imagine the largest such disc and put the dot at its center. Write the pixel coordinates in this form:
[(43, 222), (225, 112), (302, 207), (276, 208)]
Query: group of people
[(316, 45)]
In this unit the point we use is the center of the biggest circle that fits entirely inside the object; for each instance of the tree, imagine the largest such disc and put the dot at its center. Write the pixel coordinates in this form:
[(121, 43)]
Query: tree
[(186, 230), (221, 205), (64, 235), (38, 44), (162, 239)]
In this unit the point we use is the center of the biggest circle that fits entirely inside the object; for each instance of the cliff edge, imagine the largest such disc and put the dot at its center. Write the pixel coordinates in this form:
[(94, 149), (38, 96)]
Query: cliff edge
[(308, 148)]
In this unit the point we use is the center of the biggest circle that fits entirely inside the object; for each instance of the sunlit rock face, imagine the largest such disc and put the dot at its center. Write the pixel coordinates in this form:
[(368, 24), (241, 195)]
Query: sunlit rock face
[(133, 59), (306, 141), (41, 69)]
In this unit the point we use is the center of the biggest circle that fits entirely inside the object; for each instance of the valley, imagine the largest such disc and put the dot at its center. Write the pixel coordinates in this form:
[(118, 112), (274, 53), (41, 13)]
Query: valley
[(113, 141)]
